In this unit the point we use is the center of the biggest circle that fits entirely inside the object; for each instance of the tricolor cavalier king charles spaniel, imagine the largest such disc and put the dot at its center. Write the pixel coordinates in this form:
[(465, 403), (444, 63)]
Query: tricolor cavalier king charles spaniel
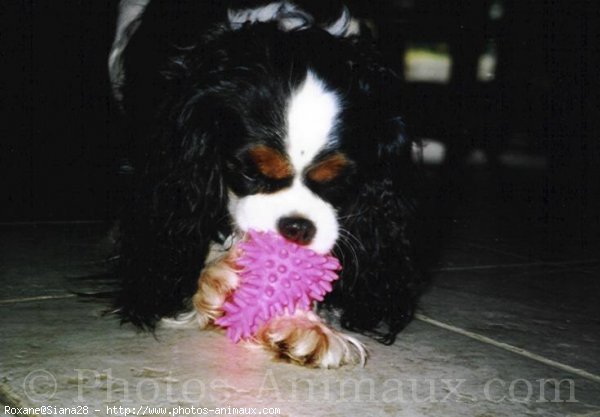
[(267, 115)]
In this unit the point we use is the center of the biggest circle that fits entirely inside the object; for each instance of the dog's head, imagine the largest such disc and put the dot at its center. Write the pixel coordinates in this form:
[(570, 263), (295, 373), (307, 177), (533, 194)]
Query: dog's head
[(278, 129), (295, 124)]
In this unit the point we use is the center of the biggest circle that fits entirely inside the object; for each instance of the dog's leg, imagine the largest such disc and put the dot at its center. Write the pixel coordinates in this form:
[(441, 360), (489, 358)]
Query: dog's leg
[(217, 280), (304, 339)]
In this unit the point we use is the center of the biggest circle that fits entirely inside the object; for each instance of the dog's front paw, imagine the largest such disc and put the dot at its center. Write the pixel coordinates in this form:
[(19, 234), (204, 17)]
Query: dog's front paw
[(217, 281), (305, 340)]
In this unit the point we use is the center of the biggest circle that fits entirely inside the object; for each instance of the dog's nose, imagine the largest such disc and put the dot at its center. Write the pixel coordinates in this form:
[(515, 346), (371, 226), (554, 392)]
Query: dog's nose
[(297, 229)]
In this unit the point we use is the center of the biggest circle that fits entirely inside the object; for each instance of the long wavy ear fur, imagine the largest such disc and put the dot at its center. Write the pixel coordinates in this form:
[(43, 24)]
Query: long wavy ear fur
[(380, 281), (378, 292), (177, 208)]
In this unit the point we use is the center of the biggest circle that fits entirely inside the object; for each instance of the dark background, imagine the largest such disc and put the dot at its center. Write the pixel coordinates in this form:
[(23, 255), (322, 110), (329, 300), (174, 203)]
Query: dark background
[(60, 147)]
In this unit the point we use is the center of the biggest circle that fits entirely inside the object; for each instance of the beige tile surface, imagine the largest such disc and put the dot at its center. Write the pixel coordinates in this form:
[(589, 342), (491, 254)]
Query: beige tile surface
[(64, 353)]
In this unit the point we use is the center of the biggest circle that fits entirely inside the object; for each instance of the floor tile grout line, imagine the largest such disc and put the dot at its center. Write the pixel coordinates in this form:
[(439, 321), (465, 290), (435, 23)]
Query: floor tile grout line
[(484, 267), (38, 298), (516, 255), (505, 346), (10, 399), (591, 414), (515, 265)]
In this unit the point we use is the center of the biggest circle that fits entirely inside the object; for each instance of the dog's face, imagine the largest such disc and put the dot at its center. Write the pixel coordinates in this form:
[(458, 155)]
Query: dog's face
[(289, 179), (288, 128)]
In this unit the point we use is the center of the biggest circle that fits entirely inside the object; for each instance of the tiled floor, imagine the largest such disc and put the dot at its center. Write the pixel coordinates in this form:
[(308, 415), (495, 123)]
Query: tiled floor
[(509, 327)]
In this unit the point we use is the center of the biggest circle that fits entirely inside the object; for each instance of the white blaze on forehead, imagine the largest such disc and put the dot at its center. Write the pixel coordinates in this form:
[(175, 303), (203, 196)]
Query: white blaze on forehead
[(312, 115)]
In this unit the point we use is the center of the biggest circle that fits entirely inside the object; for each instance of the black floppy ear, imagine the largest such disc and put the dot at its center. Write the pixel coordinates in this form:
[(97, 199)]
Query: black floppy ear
[(177, 208), (380, 282)]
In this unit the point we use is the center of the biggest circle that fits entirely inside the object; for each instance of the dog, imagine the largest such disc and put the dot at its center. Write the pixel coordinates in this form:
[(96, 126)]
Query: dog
[(269, 115)]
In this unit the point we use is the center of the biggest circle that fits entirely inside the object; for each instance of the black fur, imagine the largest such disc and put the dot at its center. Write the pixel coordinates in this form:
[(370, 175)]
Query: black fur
[(196, 95)]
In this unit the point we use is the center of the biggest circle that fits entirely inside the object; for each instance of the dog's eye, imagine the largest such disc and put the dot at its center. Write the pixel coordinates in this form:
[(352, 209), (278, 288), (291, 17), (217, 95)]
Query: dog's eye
[(329, 168), (270, 162)]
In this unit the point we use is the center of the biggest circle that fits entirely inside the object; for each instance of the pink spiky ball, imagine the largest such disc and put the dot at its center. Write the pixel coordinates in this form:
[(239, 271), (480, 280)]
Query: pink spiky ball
[(277, 278)]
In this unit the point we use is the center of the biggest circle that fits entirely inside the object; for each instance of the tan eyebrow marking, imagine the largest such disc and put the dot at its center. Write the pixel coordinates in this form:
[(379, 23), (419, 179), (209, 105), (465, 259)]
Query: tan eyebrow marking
[(329, 168), (270, 162)]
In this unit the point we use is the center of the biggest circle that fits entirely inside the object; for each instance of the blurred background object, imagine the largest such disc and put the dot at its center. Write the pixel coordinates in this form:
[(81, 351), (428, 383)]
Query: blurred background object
[(508, 88)]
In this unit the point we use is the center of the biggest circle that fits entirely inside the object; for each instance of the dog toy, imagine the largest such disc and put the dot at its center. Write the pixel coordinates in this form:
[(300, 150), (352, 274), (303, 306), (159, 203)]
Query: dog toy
[(277, 278)]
